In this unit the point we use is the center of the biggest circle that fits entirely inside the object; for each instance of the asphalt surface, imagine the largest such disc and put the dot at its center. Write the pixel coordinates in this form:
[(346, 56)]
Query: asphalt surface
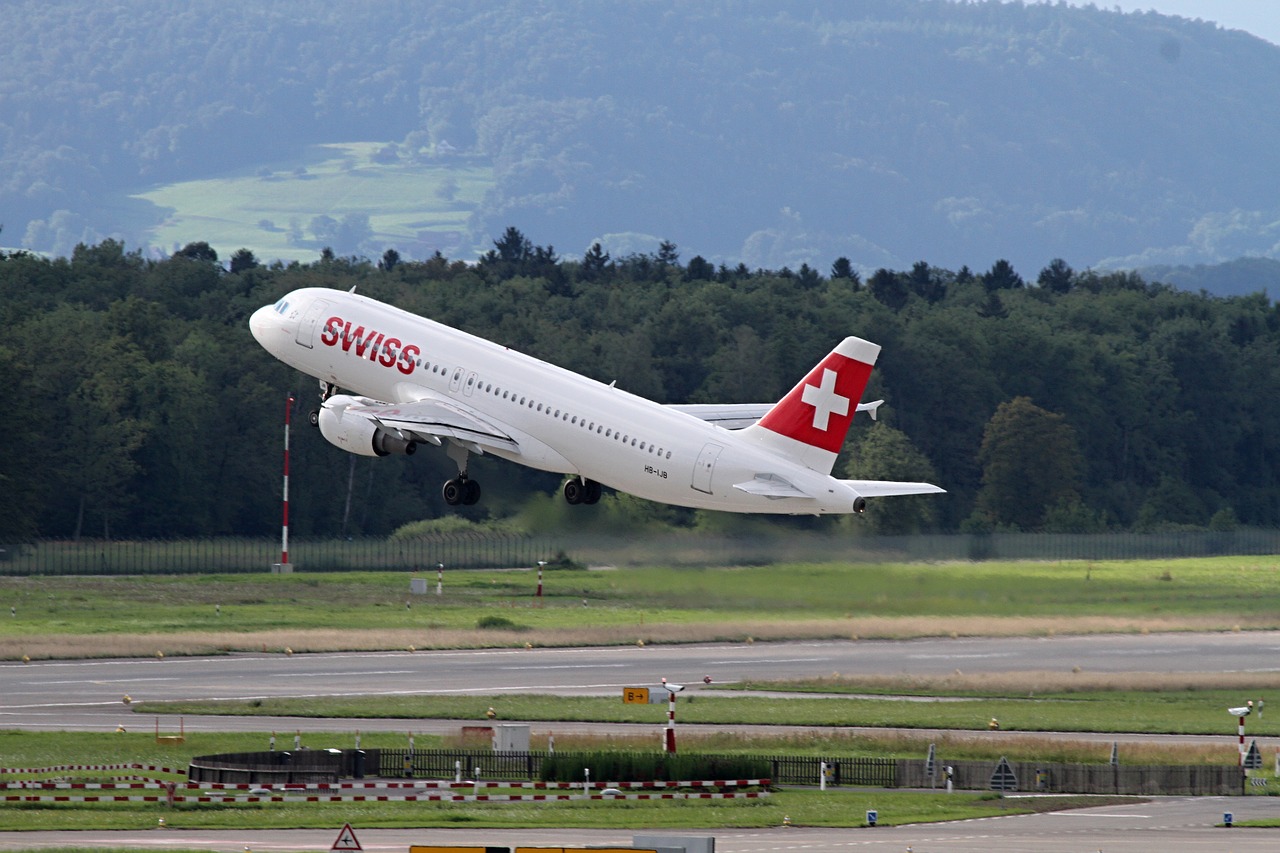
[(87, 695)]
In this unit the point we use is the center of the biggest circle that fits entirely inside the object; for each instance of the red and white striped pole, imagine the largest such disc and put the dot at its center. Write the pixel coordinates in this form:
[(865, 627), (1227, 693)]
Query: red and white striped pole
[(670, 736), (1241, 719), (541, 563), (284, 530)]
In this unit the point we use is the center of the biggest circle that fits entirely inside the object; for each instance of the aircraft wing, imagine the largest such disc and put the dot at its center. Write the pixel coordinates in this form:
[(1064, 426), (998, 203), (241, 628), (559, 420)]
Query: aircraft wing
[(742, 415), (431, 419), (728, 415), (886, 488)]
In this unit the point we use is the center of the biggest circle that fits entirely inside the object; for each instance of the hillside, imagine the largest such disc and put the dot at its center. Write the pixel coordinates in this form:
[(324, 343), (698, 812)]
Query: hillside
[(771, 133)]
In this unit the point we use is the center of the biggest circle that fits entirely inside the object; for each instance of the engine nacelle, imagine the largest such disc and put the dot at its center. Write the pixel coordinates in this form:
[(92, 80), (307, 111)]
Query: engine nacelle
[(859, 504), (355, 433)]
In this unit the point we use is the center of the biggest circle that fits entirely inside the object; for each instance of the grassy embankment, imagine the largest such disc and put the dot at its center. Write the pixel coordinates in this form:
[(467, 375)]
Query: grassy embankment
[(131, 616)]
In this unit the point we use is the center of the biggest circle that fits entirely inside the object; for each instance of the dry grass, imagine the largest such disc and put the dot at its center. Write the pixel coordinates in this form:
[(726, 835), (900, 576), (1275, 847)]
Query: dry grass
[(955, 745), (74, 646), (1038, 682)]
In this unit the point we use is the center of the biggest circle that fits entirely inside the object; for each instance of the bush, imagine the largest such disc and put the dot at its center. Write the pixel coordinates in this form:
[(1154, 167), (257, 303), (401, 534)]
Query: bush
[(651, 767)]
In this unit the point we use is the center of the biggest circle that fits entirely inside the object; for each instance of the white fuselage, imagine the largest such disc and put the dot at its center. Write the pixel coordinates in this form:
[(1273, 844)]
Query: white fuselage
[(560, 420)]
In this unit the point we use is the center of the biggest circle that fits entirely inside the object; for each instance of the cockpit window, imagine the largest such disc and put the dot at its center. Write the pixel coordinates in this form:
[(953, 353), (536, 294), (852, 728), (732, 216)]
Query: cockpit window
[(282, 307)]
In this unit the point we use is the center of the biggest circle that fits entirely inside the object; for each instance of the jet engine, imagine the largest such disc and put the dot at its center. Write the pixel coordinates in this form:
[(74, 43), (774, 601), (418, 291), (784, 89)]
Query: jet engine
[(356, 433)]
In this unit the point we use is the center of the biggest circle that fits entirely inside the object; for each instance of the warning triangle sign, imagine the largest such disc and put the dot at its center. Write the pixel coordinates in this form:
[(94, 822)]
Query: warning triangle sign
[(1253, 761), (1003, 779), (346, 842)]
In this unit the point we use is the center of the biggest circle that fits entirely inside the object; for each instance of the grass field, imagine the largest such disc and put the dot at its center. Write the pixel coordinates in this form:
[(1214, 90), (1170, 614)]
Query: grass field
[(134, 616), (1155, 711), (416, 207), (804, 808)]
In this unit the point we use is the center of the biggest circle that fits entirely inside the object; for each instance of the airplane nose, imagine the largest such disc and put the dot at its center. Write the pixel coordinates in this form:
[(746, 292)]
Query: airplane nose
[(262, 321)]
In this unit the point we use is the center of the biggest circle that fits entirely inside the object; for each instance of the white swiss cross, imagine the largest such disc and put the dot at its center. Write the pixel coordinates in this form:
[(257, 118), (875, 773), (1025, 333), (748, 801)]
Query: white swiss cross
[(824, 399)]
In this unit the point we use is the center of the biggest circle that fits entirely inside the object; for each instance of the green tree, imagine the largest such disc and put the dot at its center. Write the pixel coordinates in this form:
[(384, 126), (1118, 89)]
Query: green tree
[(844, 270), (390, 260), (1030, 462), (242, 261), (888, 289), (884, 453), (1058, 277), (1001, 276), (925, 282), (595, 263)]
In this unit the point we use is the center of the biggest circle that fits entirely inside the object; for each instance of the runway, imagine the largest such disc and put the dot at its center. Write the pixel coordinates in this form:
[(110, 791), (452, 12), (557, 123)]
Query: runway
[(87, 694)]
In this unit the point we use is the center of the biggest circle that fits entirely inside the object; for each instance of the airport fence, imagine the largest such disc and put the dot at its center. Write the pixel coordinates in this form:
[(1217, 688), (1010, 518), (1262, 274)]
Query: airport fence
[(333, 765), (1061, 778), (478, 550)]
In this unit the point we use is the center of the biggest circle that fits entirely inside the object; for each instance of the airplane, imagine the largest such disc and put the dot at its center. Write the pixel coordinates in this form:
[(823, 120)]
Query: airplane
[(415, 381)]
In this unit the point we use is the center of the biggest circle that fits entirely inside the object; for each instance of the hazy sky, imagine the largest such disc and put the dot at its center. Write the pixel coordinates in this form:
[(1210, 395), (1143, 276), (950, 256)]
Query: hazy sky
[(1260, 17)]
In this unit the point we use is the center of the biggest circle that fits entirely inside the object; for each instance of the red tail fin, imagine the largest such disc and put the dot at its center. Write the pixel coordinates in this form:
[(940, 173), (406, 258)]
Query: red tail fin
[(817, 412)]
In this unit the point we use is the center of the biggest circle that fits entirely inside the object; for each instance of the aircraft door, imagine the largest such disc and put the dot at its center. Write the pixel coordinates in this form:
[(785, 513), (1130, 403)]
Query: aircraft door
[(470, 386), (455, 381), (705, 467), (307, 326)]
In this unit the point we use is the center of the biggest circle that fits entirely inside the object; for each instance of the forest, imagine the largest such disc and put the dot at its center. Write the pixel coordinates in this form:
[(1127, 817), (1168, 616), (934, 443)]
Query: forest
[(1062, 400)]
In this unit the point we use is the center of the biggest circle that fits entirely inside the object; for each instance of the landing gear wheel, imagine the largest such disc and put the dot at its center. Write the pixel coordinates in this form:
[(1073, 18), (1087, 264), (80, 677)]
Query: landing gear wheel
[(574, 490), (461, 491), (313, 417), (580, 491)]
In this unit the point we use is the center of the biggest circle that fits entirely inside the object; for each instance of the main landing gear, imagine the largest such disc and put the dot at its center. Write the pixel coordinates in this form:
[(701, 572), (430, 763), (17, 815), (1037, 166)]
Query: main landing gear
[(461, 490), (581, 491)]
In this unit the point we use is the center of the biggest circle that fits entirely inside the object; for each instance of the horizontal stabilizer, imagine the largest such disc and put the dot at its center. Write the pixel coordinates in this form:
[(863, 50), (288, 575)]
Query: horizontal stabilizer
[(770, 486), (887, 488)]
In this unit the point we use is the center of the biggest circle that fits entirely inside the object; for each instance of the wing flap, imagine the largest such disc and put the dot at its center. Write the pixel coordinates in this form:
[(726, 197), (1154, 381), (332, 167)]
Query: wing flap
[(431, 420)]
